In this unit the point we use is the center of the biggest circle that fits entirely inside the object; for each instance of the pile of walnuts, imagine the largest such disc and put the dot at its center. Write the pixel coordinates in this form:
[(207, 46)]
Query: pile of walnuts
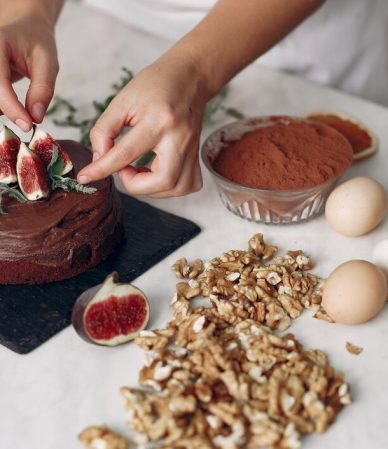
[(241, 285), (218, 376)]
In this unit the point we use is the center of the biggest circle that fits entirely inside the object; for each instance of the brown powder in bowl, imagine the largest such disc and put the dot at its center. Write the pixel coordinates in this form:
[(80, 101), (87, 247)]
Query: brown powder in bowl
[(287, 154), (359, 138)]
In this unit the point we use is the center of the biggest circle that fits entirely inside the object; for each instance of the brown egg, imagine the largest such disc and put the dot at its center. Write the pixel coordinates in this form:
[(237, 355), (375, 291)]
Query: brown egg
[(356, 207), (354, 292)]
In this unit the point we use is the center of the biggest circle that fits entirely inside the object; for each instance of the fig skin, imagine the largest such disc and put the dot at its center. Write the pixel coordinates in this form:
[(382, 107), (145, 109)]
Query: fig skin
[(99, 294), (9, 147), (42, 144), (32, 174)]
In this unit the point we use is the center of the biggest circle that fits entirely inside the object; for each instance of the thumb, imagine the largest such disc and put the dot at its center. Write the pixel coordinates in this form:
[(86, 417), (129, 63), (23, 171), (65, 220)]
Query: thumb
[(43, 74)]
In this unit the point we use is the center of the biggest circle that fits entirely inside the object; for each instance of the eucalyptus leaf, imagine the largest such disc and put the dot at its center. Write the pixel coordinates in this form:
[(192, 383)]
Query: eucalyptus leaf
[(12, 192)]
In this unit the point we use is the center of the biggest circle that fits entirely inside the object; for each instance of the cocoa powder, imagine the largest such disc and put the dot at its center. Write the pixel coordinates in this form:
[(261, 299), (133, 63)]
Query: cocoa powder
[(358, 137), (287, 154)]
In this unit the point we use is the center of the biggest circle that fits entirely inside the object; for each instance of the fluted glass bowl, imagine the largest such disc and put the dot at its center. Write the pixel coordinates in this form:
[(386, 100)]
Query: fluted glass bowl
[(262, 205)]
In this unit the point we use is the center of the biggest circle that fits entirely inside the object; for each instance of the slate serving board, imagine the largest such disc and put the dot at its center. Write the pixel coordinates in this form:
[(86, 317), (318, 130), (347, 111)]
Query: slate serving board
[(30, 315)]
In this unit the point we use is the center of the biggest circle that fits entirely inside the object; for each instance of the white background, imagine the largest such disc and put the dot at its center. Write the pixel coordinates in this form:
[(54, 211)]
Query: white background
[(48, 396)]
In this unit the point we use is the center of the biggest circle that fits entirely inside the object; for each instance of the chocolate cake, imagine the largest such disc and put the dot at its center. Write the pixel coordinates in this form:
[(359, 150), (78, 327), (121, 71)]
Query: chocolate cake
[(60, 236)]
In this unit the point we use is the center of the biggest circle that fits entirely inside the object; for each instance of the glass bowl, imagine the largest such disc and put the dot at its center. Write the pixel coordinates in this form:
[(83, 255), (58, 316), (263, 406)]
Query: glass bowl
[(262, 205)]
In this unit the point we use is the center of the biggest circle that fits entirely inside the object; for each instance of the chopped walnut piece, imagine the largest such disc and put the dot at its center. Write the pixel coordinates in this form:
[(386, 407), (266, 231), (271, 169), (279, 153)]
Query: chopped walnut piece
[(259, 248), (321, 314), (353, 349), (100, 437), (182, 269)]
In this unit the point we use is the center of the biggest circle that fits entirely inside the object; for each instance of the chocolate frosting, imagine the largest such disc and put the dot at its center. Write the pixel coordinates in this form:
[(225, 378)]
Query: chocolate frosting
[(49, 230)]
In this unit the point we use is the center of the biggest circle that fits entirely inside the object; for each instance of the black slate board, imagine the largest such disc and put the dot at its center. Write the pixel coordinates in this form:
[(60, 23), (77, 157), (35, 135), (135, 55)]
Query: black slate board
[(30, 315)]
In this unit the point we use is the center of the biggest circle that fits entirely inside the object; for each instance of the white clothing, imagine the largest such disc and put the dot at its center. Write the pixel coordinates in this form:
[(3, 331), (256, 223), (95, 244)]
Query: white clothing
[(343, 45)]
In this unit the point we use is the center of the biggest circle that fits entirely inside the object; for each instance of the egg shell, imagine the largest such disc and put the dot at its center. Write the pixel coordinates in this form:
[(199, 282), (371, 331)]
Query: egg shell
[(356, 207), (354, 292), (380, 256)]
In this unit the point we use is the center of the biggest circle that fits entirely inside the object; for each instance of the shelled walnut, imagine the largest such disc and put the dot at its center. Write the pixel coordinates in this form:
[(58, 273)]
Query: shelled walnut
[(247, 284), (223, 386), (101, 437)]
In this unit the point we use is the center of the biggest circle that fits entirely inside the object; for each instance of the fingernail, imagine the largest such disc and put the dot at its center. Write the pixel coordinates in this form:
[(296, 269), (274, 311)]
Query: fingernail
[(23, 125), (38, 111), (84, 179), (96, 156)]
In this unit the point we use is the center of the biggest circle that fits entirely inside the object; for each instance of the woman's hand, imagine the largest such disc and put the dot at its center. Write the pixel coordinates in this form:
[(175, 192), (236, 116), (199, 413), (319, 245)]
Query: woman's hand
[(27, 49), (163, 105), (165, 102)]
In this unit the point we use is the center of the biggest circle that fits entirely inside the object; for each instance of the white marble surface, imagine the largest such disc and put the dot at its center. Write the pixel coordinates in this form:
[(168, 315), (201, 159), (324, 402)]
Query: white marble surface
[(48, 396)]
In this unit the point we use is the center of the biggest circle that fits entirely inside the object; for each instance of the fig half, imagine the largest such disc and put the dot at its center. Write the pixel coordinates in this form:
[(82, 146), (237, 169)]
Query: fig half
[(111, 313), (32, 174), (9, 147), (43, 144)]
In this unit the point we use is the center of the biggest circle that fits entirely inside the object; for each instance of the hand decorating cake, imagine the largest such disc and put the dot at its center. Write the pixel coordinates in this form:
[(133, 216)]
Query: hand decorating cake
[(51, 227)]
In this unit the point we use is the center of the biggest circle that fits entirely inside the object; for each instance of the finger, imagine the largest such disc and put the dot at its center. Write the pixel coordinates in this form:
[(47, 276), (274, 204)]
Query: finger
[(107, 128), (135, 143), (9, 103), (132, 171), (43, 73), (190, 180), (166, 171)]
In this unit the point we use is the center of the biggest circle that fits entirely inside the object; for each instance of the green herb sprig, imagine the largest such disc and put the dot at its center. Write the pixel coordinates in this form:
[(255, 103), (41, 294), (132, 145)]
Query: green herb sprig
[(61, 105), (215, 105), (13, 192), (60, 182)]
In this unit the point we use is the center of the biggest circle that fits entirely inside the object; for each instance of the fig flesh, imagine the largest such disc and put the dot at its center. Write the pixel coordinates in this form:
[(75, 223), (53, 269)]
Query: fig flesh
[(9, 147), (31, 174), (43, 144), (111, 313)]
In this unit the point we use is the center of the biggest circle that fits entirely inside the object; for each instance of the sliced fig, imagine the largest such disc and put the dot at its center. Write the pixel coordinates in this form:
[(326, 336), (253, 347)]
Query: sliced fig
[(32, 174), (43, 145), (111, 313), (9, 147)]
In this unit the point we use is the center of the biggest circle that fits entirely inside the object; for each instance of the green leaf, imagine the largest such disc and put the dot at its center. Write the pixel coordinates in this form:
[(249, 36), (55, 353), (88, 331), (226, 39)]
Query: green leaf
[(54, 159), (84, 125), (12, 192), (69, 184), (2, 211), (235, 113), (61, 103), (216, 104), (56, 164)]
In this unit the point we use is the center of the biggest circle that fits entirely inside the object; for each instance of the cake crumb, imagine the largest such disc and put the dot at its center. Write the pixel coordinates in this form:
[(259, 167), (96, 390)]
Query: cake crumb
[(353, 349)]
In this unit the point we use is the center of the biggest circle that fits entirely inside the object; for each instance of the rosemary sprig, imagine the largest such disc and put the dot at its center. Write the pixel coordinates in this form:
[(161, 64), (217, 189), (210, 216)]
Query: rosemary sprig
[(60, 182), (85, 125), (68, 184), (13, 192)]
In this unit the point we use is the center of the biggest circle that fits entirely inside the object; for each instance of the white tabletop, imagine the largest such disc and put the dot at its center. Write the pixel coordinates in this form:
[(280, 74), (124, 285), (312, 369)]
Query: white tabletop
[(49, 395)]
